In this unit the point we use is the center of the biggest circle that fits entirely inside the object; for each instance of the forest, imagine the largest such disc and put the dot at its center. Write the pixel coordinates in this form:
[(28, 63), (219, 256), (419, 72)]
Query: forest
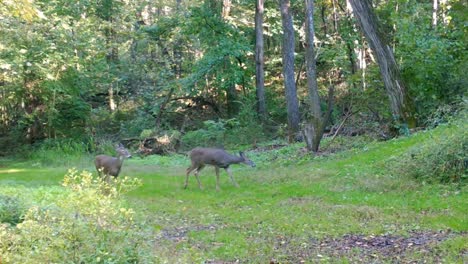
[(347, 119)]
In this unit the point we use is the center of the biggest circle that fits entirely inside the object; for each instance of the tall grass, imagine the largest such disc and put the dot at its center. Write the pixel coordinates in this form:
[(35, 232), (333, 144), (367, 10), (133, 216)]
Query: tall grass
[(65, 152)]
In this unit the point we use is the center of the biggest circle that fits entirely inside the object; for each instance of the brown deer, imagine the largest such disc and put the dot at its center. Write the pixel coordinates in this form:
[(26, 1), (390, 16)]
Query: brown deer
[(217, 158), (110, 166)]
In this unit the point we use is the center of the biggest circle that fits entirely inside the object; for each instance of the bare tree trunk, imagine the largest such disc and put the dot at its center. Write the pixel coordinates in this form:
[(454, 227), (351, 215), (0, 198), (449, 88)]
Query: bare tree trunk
[(162, 109), (443, 4), (324, 20), (226, 8), (112, 104), (335, 17), (315, 122), (112, 55), (400, 102), (259, 61), (288, 69), (435, 7)]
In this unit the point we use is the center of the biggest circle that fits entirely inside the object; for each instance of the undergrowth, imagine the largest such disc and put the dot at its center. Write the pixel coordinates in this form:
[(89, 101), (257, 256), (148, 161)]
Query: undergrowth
[(84, 221), (441, 158)]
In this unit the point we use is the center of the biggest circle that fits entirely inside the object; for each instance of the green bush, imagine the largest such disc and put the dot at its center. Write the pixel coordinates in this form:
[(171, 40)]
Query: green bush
[(212, 135), (85, 221), (245, 129), (11, 210), (441, 158)]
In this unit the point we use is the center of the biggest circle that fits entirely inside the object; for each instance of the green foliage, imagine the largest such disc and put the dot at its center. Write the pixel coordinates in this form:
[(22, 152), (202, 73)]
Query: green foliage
[(443, 158), (433, 60), (212, 135), (11, 210), (86, 221), (110, 125)]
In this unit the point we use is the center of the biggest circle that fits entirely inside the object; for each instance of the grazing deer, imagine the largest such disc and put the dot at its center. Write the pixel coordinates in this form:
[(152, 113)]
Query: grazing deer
[(110, 166), (217, 158)]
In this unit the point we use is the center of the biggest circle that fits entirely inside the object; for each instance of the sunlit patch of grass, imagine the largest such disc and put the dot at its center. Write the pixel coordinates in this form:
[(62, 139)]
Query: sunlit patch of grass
[(12, 170)]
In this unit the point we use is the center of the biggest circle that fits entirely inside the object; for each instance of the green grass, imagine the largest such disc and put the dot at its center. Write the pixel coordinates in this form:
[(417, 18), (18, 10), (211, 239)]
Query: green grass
[(283, 205)]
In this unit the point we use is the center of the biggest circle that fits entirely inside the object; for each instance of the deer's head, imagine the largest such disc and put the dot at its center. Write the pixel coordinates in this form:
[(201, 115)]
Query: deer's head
[(246, 160), (122, 151)]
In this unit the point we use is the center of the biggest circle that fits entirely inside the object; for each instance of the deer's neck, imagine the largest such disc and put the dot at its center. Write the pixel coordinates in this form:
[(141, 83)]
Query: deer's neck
[(120, 159), (235, 159)]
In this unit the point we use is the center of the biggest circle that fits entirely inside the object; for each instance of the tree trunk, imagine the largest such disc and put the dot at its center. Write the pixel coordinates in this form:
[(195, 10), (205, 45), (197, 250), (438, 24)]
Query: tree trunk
[(226, 8), (259, 62), (232, 102), (288, 69), (435, 7), (444, 7), (400, 103), (315, 123)]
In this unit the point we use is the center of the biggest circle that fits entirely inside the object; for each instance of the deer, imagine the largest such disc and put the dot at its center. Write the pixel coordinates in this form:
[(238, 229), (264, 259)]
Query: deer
[(200, 157), (110, 166)]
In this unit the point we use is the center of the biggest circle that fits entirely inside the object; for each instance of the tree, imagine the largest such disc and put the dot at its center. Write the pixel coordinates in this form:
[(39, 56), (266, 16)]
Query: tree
[(315, 123), (106, 10), (288, 69), (400, 102), (259, 61)]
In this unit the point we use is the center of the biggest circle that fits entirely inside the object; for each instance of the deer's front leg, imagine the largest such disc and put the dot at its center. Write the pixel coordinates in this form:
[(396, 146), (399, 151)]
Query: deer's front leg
[(232, 178)]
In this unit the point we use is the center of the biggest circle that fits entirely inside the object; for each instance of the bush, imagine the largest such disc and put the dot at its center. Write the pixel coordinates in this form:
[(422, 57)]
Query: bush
[(11, 210), (212, 135), (245, 129), (84, 222), (442, 158)]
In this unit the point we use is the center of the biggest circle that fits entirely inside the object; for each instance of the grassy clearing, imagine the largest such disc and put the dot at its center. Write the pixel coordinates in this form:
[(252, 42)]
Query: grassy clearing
[(284, 208)]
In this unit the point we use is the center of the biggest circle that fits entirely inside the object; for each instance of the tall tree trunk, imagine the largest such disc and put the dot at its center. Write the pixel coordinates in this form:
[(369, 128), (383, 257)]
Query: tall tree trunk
[(259, 61), (226, 8), (324, 19), (288, 69), (445, 18), (400, 102), (435, 7), (112, 56), (313, 131)]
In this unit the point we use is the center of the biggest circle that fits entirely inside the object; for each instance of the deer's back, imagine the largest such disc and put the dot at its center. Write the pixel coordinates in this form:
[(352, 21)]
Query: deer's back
[(210, 156)]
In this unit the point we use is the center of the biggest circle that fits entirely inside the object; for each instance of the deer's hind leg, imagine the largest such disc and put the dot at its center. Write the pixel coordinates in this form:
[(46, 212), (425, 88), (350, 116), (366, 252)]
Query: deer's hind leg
[(189, 170), (196, 176), (217, 179)]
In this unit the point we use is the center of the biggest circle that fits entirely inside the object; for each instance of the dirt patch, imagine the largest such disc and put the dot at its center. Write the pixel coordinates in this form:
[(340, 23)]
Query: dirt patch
[(384, 245), (365, 248), (178, 234), (416, 247)]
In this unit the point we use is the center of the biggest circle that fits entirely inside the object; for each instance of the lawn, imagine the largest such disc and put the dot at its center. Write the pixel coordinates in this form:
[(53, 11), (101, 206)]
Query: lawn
[(338, 207)]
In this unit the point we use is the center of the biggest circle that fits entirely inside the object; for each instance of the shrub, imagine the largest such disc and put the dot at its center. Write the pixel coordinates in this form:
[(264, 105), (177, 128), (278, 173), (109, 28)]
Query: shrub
[(212, 135), (442, 158), (85, 222), (11, 210)]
